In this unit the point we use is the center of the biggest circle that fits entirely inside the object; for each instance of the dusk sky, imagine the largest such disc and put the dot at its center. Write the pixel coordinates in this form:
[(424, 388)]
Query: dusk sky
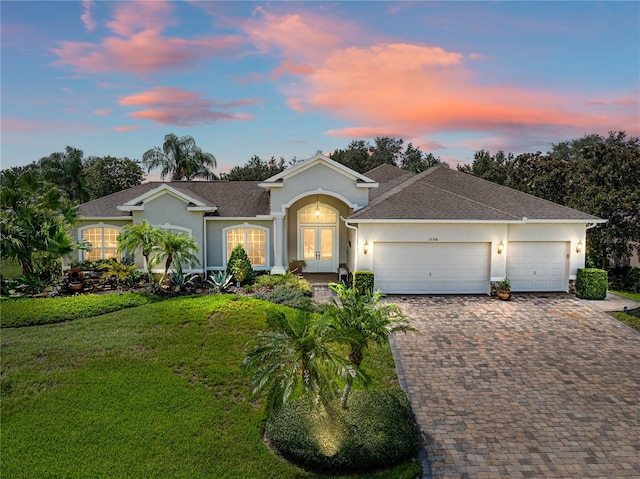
[(291, 78)]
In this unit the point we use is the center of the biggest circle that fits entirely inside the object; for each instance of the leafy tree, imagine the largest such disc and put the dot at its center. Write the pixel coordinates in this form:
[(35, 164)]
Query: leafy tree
[(604, 180), (356, 156), (386, 150), (255, 170), (175, 248), (142, 236), (360, 319), (65, 169), (540, 175), (107, 174), (35, 220), (181, 158), (485, 166), (296, 359), (416, 161)]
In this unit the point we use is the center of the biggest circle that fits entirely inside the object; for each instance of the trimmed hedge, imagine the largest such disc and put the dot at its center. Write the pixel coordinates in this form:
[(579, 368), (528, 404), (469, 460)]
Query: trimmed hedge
[(377, 431), (363, 281), (16, 313), (591, 283)]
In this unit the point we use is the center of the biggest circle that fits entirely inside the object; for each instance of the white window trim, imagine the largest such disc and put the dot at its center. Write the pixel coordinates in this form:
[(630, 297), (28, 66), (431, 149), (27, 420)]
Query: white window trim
[(102, 226), (245, 226)]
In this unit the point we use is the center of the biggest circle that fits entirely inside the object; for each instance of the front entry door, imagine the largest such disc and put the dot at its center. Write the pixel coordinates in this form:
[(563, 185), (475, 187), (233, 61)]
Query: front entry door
[(318, 248)]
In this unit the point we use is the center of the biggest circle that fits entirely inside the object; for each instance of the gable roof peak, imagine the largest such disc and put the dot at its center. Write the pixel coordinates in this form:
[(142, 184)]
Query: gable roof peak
[(318, 158)]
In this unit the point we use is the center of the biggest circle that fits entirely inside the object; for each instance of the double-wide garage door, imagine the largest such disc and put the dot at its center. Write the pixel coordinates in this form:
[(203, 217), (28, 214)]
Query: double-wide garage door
[(432, 268), (538, 266)]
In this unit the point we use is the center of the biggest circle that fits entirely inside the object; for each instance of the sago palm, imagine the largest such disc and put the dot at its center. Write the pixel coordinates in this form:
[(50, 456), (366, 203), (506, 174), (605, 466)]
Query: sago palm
[(297, 359), (359, 319)]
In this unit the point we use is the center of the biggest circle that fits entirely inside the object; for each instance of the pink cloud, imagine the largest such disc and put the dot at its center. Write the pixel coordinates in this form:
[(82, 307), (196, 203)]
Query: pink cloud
[(419, 89), (295, 35), (175, 106), (415, 90), (103, 112), (139, 46), (127, 128), (293, 69)]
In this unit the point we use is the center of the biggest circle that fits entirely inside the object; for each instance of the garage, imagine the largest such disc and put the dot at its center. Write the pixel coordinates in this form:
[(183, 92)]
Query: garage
[(538, 266), (432, 268)]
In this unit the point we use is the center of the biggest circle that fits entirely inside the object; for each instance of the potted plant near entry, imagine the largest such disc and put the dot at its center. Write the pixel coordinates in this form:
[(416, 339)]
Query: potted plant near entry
[(504, 289)]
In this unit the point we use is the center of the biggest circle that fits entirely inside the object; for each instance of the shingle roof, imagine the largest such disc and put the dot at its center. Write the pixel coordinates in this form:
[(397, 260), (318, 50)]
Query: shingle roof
[(387, 176), (232, 199), (441, 193)]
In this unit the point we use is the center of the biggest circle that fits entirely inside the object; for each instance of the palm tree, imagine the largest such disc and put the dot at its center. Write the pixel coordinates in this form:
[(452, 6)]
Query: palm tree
[(360, 319), (142, 236), (181, 158), (296, 359), (175, 248), (35, 221)]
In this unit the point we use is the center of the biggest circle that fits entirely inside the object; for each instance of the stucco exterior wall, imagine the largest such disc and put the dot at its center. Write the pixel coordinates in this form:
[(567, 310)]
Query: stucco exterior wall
[(216, 260), (319, 179), (168, 211), (493, 233)]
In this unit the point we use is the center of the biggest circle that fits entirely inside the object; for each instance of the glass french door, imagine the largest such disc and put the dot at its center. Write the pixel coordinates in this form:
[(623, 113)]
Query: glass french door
[(318, 248)]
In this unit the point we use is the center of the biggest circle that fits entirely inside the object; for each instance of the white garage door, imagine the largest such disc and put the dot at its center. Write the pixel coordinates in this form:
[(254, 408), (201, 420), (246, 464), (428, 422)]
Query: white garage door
[(538, 266), (431, 268)]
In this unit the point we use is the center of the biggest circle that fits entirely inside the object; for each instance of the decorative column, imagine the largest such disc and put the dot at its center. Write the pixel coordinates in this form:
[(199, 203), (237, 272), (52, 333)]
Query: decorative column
[(278, 246)]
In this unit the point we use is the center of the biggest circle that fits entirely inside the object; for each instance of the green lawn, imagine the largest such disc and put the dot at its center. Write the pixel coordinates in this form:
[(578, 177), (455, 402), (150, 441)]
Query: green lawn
[(150, 391)]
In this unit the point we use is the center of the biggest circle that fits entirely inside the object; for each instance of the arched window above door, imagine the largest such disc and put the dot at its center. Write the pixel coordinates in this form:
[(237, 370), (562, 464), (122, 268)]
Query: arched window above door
[(318, 214)]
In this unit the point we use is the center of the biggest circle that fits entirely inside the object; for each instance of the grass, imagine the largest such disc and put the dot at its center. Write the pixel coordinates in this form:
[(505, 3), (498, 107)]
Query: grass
[(628, 319), (32, 311), (150, 391)]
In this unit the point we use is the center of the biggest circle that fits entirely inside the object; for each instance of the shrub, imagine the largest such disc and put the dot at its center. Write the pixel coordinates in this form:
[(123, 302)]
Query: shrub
[(240, 266), (591, 283), (630, 281), (363, 281), (30, 312), (377, 431), (288, 297), (289, 280)]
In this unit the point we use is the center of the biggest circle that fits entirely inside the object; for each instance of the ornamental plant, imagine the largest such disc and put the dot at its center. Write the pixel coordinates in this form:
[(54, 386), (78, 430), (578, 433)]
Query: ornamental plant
[(240, 265)]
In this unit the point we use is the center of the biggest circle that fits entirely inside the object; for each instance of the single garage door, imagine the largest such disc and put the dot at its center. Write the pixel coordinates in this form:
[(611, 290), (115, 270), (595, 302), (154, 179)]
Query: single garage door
[(538, 266), (431, 268)]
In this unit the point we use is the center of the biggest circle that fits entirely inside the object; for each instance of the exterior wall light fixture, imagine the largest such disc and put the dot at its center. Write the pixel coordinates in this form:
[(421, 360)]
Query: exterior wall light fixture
[(579, 246), (500, 247), (365, 248)]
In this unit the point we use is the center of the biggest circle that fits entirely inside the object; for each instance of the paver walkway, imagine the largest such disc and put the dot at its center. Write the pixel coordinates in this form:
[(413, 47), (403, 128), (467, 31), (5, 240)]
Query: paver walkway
[(539, 386)]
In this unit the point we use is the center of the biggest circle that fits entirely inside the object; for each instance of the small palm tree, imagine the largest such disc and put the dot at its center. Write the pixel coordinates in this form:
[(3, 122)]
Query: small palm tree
[(297, 358), (180, 158), (142, 236), (175, 248), (361, 319)]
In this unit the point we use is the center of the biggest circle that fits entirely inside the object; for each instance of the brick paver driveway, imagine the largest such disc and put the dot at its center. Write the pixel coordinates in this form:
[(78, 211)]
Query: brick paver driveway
[(533, 387)]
